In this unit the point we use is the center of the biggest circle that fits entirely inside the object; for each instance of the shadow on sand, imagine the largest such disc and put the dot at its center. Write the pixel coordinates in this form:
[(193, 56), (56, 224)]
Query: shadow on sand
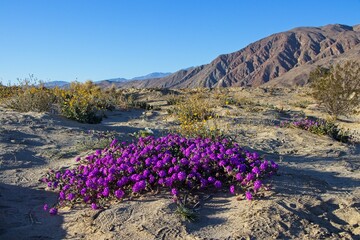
[(22, 215)]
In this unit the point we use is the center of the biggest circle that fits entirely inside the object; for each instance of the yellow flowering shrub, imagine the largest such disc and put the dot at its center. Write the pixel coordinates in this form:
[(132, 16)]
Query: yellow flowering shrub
[(196, 117), (83, 102)]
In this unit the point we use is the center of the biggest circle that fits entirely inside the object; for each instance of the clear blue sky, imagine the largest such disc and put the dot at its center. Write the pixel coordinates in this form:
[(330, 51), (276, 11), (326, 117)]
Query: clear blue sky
[(88, 39)]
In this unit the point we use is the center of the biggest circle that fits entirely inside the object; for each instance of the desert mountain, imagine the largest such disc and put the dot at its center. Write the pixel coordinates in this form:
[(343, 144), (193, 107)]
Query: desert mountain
[(108, 82), (284, 58)]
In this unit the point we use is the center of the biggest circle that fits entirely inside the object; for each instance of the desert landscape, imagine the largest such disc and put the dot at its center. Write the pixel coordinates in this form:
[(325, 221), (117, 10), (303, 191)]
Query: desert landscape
[(166, 120), (314, 195)]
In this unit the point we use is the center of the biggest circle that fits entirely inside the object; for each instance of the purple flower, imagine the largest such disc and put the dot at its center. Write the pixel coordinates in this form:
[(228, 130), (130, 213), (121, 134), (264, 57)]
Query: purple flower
[(239, 177), (257, 185), (228, 169), (162, 173), (53, 211), (256, 170), (181, 176), (61, 195), (264, 165), (46, 207), (232, 189), (211, 179), (174, 191), (119, 193), (94, 206), (250, 177), (217, 184), (71, 196), (83, 191), (106, 192), (248, 196)]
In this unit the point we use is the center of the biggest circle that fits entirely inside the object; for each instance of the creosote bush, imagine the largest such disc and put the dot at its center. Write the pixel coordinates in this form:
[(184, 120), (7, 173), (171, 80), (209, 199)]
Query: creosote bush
[(7, 92), (179, 165), (337, 88), (31, 98)]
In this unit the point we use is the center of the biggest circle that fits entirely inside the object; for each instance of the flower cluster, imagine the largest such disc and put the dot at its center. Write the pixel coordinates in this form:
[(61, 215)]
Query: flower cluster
[(172, 162), (304, 123), (319, 127)]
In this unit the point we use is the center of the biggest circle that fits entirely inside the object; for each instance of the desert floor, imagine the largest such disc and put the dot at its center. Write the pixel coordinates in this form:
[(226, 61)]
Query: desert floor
[(316, 194)]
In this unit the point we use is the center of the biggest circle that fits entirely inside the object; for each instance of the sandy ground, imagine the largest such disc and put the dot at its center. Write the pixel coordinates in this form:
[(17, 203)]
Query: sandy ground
[(316, 194)]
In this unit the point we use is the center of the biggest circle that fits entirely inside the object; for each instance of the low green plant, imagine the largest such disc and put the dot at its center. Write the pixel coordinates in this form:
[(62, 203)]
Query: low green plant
[(302, 104), (186, 213), (142, 133), (95, 140)]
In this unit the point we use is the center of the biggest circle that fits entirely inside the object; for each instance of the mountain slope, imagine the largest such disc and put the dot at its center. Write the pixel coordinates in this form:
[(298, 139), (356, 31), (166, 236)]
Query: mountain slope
[(268, 59)]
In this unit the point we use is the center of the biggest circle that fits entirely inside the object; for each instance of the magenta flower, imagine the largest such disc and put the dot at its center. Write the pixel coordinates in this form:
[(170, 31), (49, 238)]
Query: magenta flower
[(257, 185), (174, 191), (248, 196), (119, 193), (181, 176), (46, 207), (106, 192), (256, 170), (217, 184), (71, 196), (232, 189), (53, 211)]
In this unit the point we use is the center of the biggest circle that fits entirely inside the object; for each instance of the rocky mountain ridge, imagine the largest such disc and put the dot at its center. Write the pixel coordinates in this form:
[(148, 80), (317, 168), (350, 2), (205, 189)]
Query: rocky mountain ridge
[(291, 54)]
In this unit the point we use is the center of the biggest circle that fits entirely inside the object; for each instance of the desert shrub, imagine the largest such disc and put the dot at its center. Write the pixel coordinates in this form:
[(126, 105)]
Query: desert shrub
[(173, 99), (320, 127), (337, 88), (181, 166), (95, 140), (193, 115), (7, 92), (302, 104), (195, 108), (118, 97), (30, 98), (84, 102)]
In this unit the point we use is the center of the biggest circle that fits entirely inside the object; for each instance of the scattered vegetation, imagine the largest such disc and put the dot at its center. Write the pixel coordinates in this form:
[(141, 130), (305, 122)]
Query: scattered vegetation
[(320, 127), (96, 140), (337, 88)]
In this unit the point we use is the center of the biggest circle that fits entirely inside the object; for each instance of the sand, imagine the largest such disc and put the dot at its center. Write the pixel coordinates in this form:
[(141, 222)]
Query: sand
[(316, 194)]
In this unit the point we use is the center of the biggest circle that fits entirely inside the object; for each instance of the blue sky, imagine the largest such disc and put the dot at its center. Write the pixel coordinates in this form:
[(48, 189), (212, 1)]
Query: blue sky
[(88, 39)]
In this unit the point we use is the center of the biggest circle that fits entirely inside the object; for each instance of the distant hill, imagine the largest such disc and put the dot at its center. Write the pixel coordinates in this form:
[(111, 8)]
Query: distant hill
[(108, 82), (282, 59), (152, 75), (117, 81), (53, 84)]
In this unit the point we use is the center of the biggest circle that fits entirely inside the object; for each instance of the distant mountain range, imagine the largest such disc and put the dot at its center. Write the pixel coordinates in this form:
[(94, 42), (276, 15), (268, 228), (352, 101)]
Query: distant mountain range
[(282, 59), (109, 82)]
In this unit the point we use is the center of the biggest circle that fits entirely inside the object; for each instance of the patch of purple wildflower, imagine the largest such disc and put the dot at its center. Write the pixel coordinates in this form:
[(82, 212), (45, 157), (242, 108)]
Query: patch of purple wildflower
[(172, 162), (319, 127)]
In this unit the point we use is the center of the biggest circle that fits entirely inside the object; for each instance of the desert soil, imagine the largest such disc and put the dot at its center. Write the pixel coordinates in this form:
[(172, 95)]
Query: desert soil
[(316, 194)]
